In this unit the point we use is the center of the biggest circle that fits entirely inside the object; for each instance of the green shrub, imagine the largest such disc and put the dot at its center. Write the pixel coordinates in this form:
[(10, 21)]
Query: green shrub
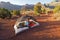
[(37, 8), (16, 12), (4, 13)]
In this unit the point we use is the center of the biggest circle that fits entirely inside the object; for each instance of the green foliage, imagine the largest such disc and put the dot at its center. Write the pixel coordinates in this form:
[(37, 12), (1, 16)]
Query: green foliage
[(37, 8), (56, 9), (4, 13), (15, 12), (43, 10)]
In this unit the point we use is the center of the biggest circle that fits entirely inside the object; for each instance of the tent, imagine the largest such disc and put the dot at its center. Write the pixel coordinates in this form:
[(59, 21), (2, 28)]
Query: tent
[(19, 20)]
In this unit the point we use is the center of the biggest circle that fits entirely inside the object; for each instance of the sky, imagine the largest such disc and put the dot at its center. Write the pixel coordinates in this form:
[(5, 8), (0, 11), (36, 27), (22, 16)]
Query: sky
[(23, 2)]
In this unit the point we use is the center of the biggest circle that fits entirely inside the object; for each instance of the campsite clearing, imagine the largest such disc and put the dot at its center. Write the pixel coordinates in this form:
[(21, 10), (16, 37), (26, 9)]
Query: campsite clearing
[(49, 29)]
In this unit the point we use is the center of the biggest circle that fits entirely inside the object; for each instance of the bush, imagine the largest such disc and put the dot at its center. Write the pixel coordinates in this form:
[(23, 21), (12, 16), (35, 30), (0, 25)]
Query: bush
[(4, 13), (16, 12), (37, 8), (56, 9)]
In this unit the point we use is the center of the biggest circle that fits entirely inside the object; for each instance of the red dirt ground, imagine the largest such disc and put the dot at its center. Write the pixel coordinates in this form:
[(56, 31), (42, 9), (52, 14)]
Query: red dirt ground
[(49, 29)]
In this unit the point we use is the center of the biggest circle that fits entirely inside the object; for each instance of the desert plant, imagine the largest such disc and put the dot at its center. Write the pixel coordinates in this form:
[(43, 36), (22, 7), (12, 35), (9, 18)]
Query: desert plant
[(56, 9), (37, 8), (4, 13), (15, 12)]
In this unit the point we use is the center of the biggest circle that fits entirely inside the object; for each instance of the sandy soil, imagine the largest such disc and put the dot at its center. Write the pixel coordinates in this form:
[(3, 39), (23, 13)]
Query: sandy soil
[(49, 29)]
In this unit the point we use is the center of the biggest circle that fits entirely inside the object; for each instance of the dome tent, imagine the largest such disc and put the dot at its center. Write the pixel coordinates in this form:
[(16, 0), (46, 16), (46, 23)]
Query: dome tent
[(19, 20), (23, 18)]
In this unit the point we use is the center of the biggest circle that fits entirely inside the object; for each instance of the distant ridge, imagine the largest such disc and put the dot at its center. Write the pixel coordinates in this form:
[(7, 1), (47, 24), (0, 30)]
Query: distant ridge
[(53, 4), (56, 0), (10, 6)]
